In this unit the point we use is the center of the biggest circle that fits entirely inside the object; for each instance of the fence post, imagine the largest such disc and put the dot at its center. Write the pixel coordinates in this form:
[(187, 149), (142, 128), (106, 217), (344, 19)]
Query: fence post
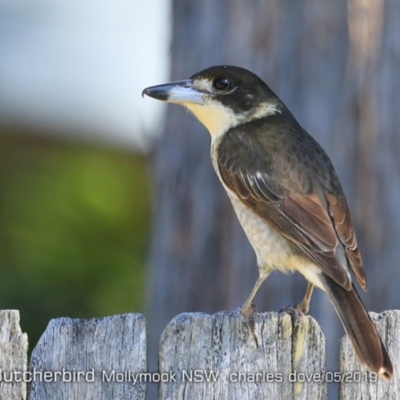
[(90, 359), (216, 356), (201, 356), (358, 383), (13, 356)]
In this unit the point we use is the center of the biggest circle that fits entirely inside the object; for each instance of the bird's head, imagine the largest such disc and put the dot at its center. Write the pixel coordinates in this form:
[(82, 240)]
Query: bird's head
[(221, 97)]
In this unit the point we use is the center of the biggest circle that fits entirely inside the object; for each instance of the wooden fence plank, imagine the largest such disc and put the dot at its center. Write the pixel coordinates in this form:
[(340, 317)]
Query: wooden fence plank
[(13, 356), (216, 356), (201, 356), (359, 383), (90, 359)]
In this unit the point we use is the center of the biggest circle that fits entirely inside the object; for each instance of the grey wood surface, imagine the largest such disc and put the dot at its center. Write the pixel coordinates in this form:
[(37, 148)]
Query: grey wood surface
[(13, 356), (201, 356), (216, 356), (106, 352)]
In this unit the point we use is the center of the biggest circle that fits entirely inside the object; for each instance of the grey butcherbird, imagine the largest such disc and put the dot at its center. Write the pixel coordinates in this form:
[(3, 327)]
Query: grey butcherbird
[(285, 192)]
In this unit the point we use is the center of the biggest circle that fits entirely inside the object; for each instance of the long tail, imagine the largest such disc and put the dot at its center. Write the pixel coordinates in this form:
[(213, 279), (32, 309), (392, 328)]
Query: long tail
[(359, 327)]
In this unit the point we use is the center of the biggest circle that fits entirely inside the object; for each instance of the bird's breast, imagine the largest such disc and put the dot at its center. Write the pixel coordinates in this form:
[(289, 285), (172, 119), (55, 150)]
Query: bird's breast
[(271, 248)]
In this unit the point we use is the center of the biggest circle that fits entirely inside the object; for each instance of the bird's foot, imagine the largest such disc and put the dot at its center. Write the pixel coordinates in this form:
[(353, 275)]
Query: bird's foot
[(304, 306), (296, 312), (248, 310)]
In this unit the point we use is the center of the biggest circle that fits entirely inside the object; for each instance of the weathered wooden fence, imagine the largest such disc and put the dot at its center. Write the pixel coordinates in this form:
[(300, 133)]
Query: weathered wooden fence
[(200, 357)]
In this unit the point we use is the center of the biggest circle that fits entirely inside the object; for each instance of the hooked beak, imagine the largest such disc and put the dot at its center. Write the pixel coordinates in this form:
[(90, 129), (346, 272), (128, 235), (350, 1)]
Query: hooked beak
[(179, 92)]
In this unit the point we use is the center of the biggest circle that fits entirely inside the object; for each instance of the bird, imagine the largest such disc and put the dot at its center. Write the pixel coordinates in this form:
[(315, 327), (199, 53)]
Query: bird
[(285, 192)]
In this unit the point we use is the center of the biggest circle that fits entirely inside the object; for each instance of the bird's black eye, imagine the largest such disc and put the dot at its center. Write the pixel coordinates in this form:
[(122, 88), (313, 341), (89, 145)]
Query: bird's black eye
[(221, 83)]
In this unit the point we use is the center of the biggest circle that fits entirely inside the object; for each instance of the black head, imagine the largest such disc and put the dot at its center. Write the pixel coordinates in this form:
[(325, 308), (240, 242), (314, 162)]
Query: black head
[(235, 87), (221, 97)]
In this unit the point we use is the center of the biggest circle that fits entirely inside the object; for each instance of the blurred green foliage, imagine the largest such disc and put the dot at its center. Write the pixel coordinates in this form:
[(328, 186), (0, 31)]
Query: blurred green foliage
[(74, 224)]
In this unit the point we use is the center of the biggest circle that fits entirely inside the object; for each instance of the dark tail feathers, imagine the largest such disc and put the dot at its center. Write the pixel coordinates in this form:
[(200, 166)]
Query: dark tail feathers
[(359, 327)]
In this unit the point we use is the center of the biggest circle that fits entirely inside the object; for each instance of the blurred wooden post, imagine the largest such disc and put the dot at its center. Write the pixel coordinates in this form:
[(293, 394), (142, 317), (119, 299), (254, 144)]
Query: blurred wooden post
[(13, 356), (360, 384), (90, 359), (216, 356)]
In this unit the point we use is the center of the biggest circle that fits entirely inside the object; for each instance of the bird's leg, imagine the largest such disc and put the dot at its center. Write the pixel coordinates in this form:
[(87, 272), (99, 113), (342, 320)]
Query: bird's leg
[(249, 308), (304, 306), (298, 312)]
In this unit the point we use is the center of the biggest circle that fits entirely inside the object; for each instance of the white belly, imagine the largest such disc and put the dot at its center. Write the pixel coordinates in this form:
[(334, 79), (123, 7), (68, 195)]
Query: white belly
[(273, 250), (270, 247)]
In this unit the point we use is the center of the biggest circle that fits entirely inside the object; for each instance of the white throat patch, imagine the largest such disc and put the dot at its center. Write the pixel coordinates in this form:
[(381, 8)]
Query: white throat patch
[(214, 116), (219, 119)]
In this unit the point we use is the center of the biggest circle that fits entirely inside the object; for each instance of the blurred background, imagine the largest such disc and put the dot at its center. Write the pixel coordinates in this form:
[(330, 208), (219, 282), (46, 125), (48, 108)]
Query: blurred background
[(108, 202), (75, 135)]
